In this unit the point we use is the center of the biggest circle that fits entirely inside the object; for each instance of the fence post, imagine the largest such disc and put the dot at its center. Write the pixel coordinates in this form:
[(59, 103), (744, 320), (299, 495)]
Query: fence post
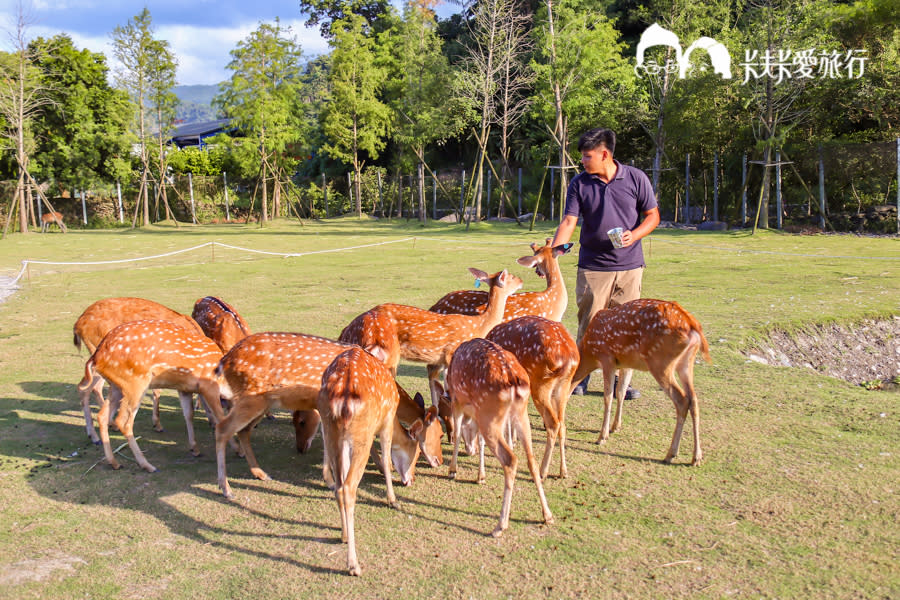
[(490, 176), (225, 182), (325, 194), (552, 192), (687, 188), (778, 222), (744, 191), (350, 191), (716, 186), (520, 191), (83, 206), (191, 188), (462, 195), (156, 195), (420, 184), (119, 194), (898, 185), (821, 190), (434, 184), (380, 195)]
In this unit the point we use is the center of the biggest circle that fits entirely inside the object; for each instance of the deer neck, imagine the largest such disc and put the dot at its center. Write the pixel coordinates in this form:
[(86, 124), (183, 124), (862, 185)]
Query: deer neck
[(404, 453), (556, 288), (493, 313)]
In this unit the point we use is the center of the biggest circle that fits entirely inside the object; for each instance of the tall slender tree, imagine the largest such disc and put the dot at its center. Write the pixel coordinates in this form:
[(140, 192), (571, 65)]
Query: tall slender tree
[(354, 119), (262, 98), (133, 48), (162, 67)]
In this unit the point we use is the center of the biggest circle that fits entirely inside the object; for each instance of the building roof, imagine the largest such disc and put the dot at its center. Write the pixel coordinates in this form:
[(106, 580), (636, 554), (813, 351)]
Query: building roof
[(193, 134)]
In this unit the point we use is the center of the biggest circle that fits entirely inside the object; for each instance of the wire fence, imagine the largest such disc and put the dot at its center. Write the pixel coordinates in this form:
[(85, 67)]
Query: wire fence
[(847, 187)]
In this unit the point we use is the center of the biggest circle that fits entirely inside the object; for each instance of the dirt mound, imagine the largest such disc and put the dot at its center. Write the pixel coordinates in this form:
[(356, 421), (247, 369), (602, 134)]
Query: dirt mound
[(866, 353)]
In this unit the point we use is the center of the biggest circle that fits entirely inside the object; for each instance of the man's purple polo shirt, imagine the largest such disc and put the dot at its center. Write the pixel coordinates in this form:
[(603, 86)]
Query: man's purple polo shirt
[(602, 206)]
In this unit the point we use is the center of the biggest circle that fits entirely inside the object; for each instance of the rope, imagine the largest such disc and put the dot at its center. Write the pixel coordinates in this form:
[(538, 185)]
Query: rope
[(12, 283)]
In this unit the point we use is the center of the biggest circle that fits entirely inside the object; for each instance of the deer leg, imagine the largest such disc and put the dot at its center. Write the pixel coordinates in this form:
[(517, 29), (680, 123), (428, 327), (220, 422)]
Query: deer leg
[(562, 400), (154, 398), (609, 373), (508, 460), (434, 374), (103, 422), (481, 477), (686, 375), (681, 409), (131, 400), (242, 414), (457, 425), (621, 389), (85, 399), (187, 409), (524, 429), (386, 439), (244, 438), (542, 398), (349, 493)]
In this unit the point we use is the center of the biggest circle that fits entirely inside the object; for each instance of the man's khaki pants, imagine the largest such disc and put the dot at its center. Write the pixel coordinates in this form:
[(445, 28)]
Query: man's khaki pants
[(597, 290)]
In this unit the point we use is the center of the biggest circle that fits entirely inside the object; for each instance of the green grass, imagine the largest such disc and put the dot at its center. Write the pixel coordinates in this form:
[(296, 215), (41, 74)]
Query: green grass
[(796, 498)]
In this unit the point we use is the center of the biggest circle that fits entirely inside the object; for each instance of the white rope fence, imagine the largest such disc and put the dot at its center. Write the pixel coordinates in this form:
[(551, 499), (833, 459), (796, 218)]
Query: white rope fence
[(12, 283)]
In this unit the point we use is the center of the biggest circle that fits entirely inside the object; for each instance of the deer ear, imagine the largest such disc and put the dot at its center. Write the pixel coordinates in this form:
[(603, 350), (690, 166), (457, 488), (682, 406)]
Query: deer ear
[(527, 261), (415, 429), (502, 278), (562, 249), (431, 414), (479, 274), (420, 401)]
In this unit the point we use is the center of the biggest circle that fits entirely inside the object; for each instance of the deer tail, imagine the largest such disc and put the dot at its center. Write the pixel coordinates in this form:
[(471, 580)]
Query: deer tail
[(695, 326), (85, 383)]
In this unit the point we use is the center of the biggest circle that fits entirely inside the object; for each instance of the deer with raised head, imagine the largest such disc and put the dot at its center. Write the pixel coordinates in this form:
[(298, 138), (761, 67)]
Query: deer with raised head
[(549, 303), (549, 355), (284, 370), (52, 218), (153, 354), (359, 399), (488, 385), (648, 335), (394, 331), (103, 316)]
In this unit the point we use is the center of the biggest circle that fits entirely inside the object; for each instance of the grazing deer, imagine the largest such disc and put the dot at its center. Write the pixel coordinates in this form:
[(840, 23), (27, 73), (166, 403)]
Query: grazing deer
[(359, 399), (488, 385), (103, 316), (220, 322), (550, 303), (394, 331), (51, 218), (549, 355), (648, 335), (155, 354), (284, 370)]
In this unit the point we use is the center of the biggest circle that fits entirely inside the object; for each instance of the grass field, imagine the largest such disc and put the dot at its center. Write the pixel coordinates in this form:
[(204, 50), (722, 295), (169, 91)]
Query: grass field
[(797, 496)]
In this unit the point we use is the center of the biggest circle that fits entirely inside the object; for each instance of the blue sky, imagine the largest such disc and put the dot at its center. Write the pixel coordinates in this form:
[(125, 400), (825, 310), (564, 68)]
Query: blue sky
[(201, 32)]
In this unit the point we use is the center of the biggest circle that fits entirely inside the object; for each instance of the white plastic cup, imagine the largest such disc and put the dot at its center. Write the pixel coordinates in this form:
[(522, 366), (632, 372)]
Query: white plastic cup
[(615, 236)]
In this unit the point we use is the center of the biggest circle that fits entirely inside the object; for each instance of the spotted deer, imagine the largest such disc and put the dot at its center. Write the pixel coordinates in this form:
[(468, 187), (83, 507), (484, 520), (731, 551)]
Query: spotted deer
[(648, 335), (549, 303), (52, 218), (220, 322), (357, 400), (394, 331), (284, 370), (103, 316), (488, 385), (153, 354), (549, 355)]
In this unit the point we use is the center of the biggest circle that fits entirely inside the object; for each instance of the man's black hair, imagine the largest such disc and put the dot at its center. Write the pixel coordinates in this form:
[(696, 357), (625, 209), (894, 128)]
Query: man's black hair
[(598, 137)]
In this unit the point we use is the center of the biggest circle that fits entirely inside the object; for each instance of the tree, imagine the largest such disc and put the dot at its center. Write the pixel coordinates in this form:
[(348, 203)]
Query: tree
[(162, 66), (354, 120), (417, 86), (23, 93), (326, 13), (82, 136), (262, 99), (582, 78), (133, 46)]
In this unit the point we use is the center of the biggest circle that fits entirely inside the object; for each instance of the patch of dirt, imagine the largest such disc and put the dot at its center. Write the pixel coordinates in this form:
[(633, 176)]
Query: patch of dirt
[(866, 353), (39, 569)]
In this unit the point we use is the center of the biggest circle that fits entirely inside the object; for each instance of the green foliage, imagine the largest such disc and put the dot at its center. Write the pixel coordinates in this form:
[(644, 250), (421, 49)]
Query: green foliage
[(82, 137), (208, 161), (353, 119)]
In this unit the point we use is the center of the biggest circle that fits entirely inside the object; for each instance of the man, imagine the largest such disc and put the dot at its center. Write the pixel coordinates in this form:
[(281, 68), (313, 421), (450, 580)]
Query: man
[(606, 195)]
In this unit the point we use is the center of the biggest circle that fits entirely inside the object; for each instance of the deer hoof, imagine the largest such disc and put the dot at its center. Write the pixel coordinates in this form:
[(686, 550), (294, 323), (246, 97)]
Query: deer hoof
[(355, 571), (260, 474), (498, 532)]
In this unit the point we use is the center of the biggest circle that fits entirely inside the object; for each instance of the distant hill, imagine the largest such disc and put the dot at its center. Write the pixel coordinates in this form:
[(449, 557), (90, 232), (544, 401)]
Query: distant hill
[(195, 103)]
